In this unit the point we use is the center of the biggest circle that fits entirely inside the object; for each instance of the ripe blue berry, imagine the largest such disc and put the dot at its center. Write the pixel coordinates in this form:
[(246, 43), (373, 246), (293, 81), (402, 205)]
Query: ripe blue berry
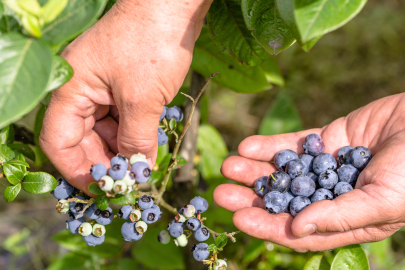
[(314, 144), (202, 234), (98, 171), (145, 202), (93, 240), (275, 202), (324, 162), (150, 215), (328, 179), (92, 212), (174, 113), (119, 166), (106, 217), (163, 113), (77, 207), (360, 157), (348, 173), (308, 159), (313, 176), (129, 232), (298, 204), (193, 224), (175, 228), (344, 155), (321, 194), (125, 211), (200, 204), (142, 171), (162, 137), (279, 181), (289, 196), (73, 224), (200, 251), (63, 189), (342, 187), (296, 167), (303, 186), (261, 186), (283, 157)]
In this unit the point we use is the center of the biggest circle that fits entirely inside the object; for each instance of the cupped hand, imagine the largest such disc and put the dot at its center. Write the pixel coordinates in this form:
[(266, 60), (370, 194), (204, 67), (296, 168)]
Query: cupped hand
[(126, 68), (374, 210)]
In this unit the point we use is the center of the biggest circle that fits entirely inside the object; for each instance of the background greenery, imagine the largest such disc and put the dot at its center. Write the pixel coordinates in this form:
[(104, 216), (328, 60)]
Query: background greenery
[(346, 69)]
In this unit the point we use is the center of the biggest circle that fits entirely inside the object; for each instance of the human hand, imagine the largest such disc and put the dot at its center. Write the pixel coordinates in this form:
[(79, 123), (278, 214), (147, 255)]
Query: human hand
[(127, 67), (374, 210)]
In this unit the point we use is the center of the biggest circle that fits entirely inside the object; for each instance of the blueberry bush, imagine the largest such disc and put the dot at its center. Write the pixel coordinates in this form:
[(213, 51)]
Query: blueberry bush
[(239, 42)]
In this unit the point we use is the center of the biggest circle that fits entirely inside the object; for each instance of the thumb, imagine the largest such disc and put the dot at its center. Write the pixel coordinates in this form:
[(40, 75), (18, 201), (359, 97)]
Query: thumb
[(352, 210)]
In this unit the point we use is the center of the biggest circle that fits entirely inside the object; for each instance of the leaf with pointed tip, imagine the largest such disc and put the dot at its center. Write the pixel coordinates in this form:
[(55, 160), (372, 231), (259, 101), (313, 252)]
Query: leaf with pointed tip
[(123, 199), (61, 73), (212, 247), (6, 153), (221, 240), (317, 262), (23, 149), (13, 174), (39, 182), (102, 202), (263, 19), (230, 35), (23, 168), (17, 162), (95, 189), (11, 192), (350, 257)]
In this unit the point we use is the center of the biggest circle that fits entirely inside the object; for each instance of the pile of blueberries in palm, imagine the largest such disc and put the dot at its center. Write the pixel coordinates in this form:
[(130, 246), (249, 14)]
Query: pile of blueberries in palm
[(168, 113), (310, 177)]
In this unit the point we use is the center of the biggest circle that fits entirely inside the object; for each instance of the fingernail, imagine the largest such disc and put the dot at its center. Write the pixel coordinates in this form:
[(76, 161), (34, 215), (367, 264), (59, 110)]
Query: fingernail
[(308, 229)]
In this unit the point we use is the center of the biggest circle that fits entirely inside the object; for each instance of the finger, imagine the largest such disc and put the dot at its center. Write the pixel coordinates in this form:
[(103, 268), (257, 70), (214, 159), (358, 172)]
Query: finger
[(245, 170), (234, 197), (107, 129), (277, 229)]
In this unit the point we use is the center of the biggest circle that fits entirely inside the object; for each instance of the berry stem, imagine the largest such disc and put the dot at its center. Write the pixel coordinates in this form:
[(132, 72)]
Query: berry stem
[(229, 235)]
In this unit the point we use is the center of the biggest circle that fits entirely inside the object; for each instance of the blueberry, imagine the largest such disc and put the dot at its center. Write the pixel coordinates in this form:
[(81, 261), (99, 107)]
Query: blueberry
[(174, 113), (157, 210), (162, 137), (92, 212), (283, 157), (129, 233), (275, 202), (308, 159), (348, 173), (93, 241), (202, 234), (344, 155), (314, 145), (360, 157), (142, 171), (313, 176), (289, 197), (303, 186), (77, 207), (193, 224), (200, 251), (324, 162), (342, 187), (163, 113), (261, 186), (150, 215), (119, 166), (106, 217), (296, 167), (328, 179), (175, 229), (321, 194), (298, 204), (145, 202), (279, 181), (164, 237), (125, 211), (137, 157), (73, 224), (98, 171), (200, 204), (63, 189)]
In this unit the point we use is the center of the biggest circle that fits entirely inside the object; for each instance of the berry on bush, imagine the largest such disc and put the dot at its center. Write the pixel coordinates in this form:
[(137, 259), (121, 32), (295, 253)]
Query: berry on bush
[(98, 171), (200, 204), (202, 234), (174, 113), (93, 240), (200, 251), (145, 202), (142, 171), (85, 229), (193, 224), (105, 217), (129, 232), (164, 237), (63, 189), (125, 211)]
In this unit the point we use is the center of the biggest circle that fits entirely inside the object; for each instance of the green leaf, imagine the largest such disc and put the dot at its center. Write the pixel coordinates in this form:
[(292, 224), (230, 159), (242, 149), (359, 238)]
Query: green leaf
[(172, 124), (230, 35), (61, 73), (30, 6), (39, 182), (207, 60), (123, 199), (212, 247), (11, 192), (21, 158), (95, 189), (73, 20), (102, 202), (20, 70), (13, 174), (7, 135), (163, 150), (155, 177), (6, 153), (282, 117), (17, 162), (23, 149), (52, 9), (318, 17), (317, 262), (221, 240), (32, 25), (210, 140), (15, 244), (8, 24), (272, 72), (263, 19), (351, 257)]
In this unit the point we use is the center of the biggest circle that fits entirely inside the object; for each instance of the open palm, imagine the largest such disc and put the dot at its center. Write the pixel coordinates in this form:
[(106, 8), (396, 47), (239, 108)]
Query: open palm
[(374, 210)]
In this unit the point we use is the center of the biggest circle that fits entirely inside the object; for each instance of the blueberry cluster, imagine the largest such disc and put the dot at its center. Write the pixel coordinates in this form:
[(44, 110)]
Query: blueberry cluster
[(73, 202), (168, 113), (310, 177), (119, 179), (138, 218)]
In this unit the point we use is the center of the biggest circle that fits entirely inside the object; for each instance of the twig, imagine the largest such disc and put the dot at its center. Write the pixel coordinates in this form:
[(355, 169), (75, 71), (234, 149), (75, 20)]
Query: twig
[(230, 235)]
